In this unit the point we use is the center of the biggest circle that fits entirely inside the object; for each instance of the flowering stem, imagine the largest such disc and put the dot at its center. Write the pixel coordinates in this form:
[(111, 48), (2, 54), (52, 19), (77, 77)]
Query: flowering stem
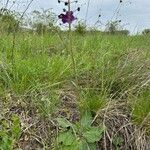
[(70, 40), (69, 9)]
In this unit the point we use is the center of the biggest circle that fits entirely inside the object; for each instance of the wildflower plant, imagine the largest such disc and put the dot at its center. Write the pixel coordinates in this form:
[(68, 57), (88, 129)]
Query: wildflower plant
[(68, 17), (82, 135)]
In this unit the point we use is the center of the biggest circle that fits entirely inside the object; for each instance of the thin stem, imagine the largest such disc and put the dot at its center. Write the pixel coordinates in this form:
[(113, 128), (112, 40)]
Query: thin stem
[(13, 48), (87, 10), (70, 40), (14, 33), (69, 9)]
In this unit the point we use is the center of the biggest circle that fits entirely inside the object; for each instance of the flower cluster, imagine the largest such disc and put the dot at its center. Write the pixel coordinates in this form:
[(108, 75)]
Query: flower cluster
[(67, 16)]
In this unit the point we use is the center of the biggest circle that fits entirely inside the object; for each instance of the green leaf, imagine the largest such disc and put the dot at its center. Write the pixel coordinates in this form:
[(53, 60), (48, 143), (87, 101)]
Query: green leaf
[(6, 143), (93, 134), (76, 145), (62, 122), (66, 138), (83, 145), (86, 120), (71, 147), (92, 146)]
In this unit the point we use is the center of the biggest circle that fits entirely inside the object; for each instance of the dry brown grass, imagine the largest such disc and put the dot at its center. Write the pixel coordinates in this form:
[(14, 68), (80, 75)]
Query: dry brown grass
[(117, 121)]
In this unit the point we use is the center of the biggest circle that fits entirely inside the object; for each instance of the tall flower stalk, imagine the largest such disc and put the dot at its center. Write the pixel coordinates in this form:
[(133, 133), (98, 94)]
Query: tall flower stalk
[(68, 17), (70, 42)]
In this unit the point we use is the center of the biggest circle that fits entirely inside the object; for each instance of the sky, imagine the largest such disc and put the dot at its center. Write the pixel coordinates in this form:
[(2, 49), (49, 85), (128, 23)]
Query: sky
[(134, 14)]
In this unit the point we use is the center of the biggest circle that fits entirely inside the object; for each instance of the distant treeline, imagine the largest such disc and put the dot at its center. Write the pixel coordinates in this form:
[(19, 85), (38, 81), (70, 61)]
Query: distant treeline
[(44, 22)]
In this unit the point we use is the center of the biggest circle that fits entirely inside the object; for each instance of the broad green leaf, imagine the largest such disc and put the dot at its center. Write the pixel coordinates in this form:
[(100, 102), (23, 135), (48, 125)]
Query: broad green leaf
[(86, 120), (93, 134), (66, 138), (83, 145), (62, 122), (92, 146), (71, 147)]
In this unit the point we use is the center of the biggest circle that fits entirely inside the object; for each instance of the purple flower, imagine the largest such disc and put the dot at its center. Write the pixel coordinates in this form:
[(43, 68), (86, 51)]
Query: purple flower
[(68, 17)]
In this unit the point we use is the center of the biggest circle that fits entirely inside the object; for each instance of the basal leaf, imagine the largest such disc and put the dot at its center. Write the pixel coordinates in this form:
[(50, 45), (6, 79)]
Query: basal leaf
[(86, 120), (62, 122), (66, 138), (93, 134)]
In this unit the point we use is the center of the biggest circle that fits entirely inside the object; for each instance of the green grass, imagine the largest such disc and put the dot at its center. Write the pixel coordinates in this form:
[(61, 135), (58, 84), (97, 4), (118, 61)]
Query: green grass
[(108, 68), (141, 110)]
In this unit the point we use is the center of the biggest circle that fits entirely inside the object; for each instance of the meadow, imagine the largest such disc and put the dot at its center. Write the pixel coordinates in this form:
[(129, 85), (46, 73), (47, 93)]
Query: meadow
[(99, 102)]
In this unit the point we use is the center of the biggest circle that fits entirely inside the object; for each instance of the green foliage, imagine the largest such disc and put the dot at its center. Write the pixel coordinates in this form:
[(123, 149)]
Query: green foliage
[(33, 72), (92, 100), (122, 32), (9, 135), (107, 68), (146, 32), (86, 119), (80, 28), (114, 27), (79, 136), (93, 134), (8, 21), (16, 127), (66, 138), (141, 110), (40, 28), (43, 21), (63, 122)]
